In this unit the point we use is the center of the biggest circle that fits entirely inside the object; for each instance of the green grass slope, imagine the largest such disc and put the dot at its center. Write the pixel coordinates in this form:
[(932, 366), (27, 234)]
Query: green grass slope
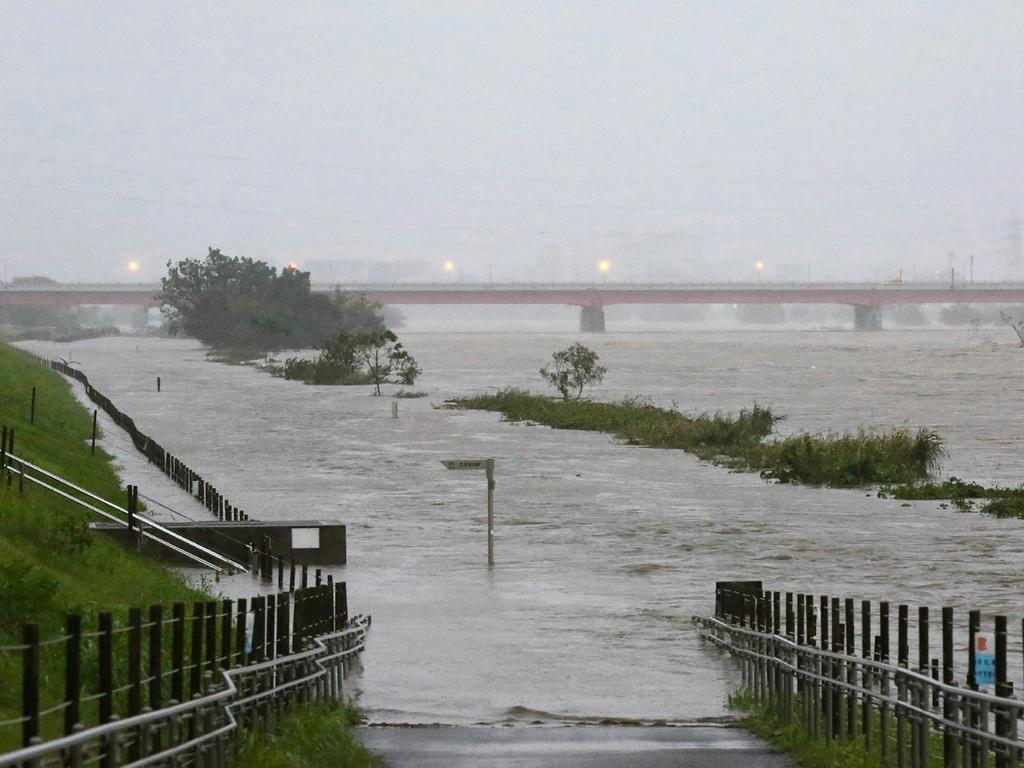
[(50, 564)]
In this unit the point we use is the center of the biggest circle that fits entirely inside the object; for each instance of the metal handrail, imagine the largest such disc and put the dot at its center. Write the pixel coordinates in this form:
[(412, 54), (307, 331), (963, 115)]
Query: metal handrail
[(149, 521), (144, 532), (226, 695), (773, 663), (893, 669)]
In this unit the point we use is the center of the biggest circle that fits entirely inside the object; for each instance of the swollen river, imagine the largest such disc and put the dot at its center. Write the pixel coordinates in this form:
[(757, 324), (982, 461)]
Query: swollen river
[(603, 550)]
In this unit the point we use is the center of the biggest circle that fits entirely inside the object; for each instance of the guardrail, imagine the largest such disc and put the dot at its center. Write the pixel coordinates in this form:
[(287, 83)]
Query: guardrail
[(204, 557), (248, 662), (837, 687)]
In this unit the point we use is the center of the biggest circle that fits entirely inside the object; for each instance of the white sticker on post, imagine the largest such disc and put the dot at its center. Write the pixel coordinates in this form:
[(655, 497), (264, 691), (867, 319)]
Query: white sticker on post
[(305, 538)]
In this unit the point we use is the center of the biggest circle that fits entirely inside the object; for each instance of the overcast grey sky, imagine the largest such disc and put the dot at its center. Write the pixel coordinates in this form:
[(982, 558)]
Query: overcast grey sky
[(524, 140)]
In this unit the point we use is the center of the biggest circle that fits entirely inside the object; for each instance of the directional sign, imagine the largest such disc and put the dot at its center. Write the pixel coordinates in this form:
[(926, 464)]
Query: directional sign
[(465, 464), (984, 658), (488, 466)]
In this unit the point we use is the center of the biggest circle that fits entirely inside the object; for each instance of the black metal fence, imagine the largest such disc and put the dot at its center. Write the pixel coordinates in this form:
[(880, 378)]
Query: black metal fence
[(169, 656), (829, 663), (176, 469)]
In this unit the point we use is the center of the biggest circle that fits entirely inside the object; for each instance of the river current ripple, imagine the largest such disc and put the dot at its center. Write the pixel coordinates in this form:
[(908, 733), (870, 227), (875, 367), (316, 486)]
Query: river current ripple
[(603, 550)]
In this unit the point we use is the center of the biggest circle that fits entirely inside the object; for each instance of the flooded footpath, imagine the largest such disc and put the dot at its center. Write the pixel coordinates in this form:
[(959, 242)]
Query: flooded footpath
[(603, 550)]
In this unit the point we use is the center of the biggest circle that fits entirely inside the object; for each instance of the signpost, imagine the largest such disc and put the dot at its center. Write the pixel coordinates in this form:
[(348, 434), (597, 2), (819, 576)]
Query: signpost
[(488, 466), (984, 658)]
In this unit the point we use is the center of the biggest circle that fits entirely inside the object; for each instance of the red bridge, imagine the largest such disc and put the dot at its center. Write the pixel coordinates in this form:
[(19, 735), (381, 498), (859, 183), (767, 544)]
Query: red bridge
[(865, 298)]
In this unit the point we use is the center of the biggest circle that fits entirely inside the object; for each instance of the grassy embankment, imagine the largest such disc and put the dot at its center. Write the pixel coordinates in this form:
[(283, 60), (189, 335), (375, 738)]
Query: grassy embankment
[(738, 442), (51, 565)]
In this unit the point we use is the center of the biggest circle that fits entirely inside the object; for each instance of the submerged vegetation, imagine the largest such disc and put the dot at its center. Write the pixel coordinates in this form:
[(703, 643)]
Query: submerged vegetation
[(739, 442), (375, 357), (965, 496)]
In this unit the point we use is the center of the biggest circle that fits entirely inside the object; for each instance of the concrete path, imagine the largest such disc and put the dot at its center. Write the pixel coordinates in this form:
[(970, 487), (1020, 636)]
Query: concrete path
[(569, 747)]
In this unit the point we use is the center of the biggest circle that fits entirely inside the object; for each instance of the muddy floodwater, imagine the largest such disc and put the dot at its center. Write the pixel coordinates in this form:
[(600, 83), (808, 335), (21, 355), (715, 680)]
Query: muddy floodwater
[(603, 550)]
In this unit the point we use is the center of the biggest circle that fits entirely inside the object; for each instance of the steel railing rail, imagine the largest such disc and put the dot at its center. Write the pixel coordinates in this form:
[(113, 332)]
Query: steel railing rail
[(908, 716), (311, 674), (86, 505), (896, 672), (227, 562)]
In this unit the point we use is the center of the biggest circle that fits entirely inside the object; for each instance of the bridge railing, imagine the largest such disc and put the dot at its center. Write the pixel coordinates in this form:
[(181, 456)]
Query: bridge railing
[(805, 662)]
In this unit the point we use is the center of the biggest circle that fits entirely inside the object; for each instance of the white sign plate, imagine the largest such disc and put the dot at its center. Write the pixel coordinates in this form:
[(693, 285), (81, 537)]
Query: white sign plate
[(465, 464), (305, 538)]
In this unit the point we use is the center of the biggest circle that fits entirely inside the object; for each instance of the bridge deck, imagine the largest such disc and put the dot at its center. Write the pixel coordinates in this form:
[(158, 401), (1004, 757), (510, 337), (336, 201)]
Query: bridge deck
[(855, 294)]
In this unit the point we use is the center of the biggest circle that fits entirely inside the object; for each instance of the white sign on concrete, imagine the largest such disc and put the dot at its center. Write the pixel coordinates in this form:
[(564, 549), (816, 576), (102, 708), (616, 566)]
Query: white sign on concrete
[(305, 538)]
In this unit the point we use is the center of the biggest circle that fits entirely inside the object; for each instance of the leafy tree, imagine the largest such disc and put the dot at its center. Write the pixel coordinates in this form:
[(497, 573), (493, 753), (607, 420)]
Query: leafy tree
[(229, 301), (373, 357), (1015, 323), (381, 355), (573, 369)]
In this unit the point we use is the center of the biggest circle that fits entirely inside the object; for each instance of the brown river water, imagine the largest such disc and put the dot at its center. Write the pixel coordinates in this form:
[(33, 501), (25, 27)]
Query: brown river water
[(603, 550)]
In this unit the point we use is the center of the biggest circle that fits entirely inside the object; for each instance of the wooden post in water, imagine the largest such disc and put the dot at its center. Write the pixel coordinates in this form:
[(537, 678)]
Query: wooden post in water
[(157, 383)]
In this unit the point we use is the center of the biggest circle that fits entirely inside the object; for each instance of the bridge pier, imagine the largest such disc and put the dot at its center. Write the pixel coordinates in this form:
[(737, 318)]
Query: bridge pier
[(867, 318), (592, 319)]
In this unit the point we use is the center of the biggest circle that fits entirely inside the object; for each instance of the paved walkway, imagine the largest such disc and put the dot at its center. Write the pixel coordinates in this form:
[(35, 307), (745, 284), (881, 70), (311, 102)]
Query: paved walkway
[(569, 747)]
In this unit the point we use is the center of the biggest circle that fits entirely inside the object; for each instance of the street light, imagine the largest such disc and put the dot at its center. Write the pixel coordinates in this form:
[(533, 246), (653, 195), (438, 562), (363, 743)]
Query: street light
[(448, 266), (292, 266), (759, 266), (604, 267), (133, 266)]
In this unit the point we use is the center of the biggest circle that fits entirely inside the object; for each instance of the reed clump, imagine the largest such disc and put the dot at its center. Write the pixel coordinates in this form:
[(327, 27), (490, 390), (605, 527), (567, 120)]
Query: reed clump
[(739, 441), (965, 496)]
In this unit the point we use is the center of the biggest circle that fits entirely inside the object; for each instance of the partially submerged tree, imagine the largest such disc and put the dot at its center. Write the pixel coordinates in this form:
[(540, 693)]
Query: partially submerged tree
[(381, 355), (227, 301), (572, 369), (374, 357), (1013, 322)]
